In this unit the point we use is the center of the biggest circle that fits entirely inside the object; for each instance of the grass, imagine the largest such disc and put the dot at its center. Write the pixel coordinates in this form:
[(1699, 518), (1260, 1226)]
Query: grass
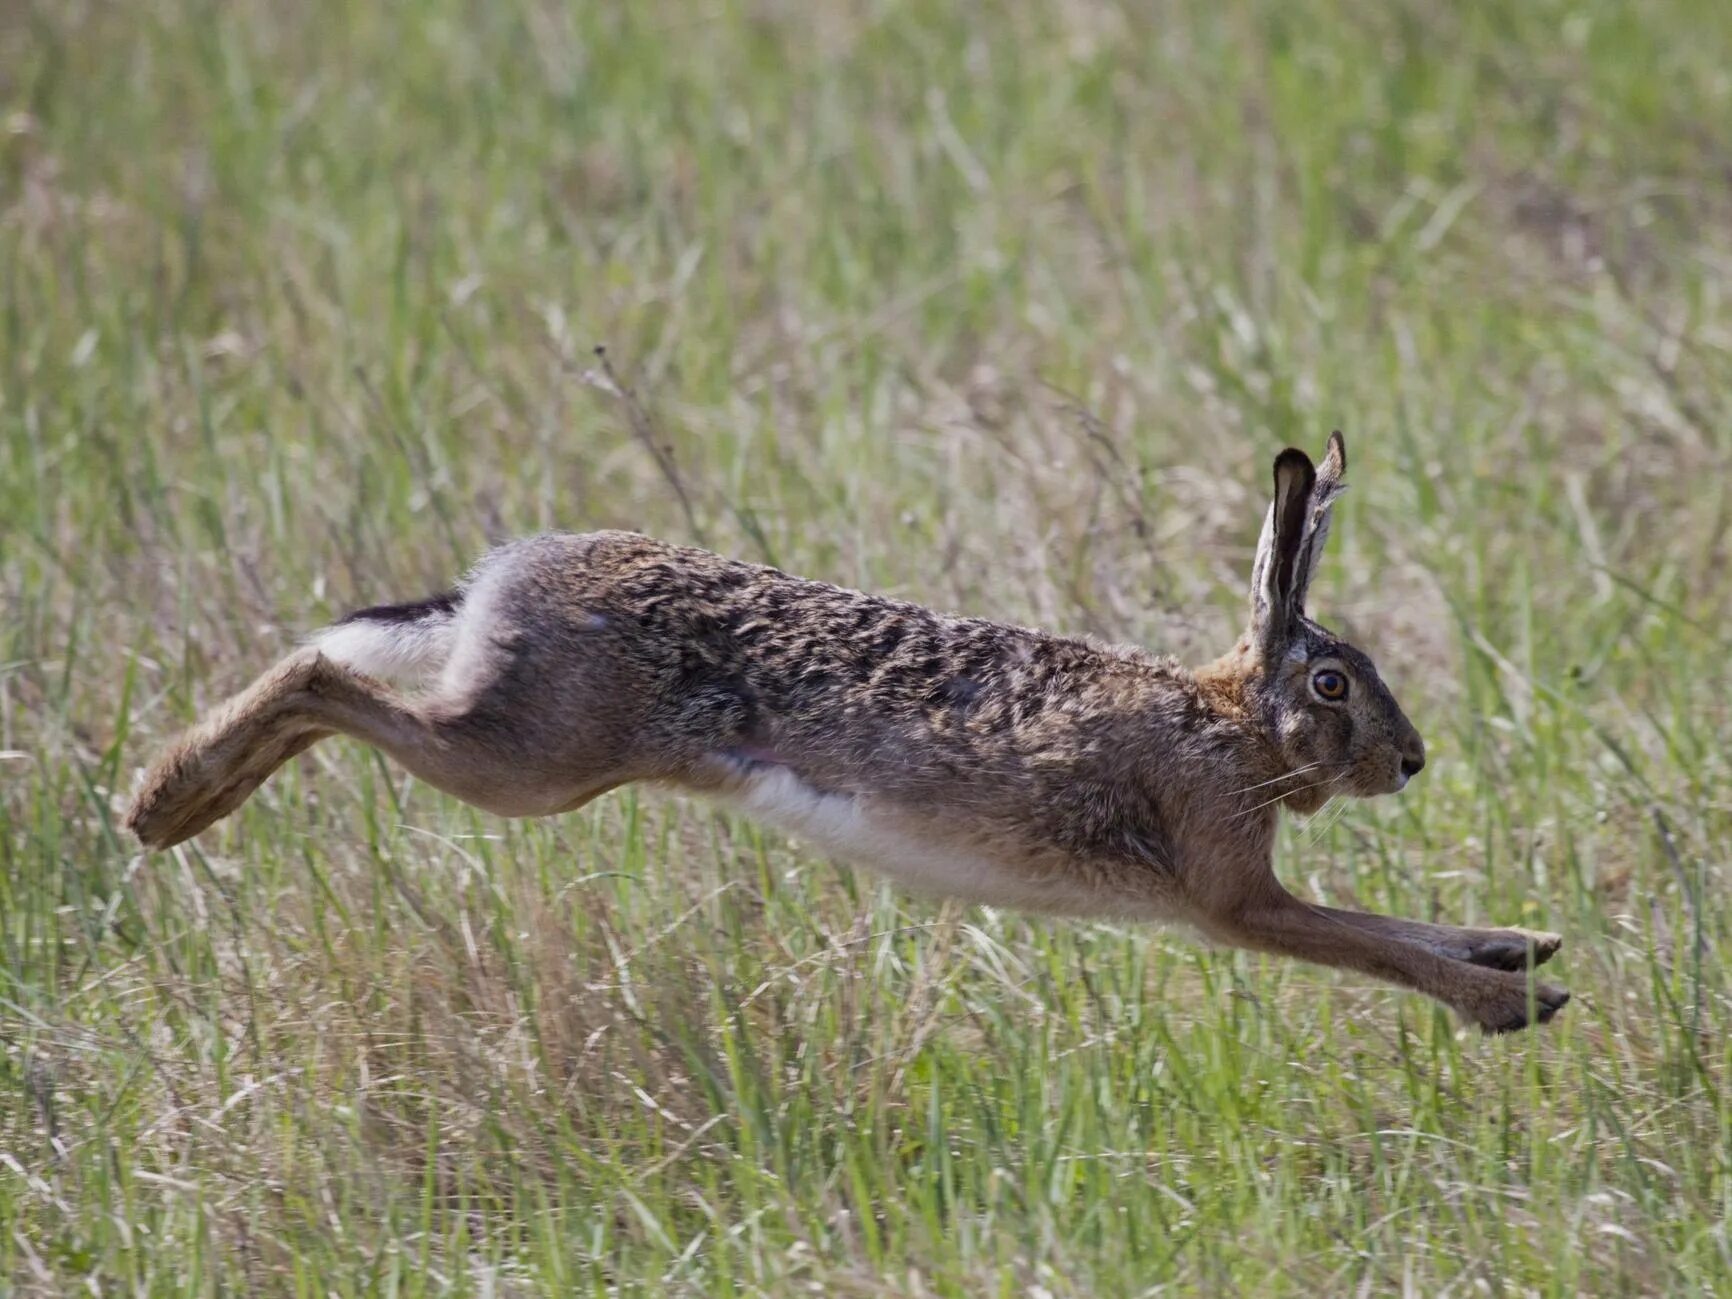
[(1004, 308)]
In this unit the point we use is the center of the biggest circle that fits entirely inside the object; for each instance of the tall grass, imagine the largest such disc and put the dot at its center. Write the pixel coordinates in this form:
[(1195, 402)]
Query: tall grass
[(1004, 307)]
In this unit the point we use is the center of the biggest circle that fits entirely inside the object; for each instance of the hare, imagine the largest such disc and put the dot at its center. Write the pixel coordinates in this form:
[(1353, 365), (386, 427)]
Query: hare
[(987, 762)]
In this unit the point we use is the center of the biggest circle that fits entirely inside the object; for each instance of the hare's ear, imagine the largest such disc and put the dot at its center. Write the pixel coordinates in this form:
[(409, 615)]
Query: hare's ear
[(1323, 493), (1276, 576)]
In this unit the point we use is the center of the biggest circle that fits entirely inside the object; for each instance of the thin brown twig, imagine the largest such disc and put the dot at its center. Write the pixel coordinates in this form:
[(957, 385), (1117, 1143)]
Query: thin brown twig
[(643, 428)]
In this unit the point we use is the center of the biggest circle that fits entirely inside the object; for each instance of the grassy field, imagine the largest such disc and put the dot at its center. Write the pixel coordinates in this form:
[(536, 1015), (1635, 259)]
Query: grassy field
[(1002, 307)]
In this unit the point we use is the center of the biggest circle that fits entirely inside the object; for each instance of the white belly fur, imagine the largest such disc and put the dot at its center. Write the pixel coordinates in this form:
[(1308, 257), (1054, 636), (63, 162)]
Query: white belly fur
[(894, 843)]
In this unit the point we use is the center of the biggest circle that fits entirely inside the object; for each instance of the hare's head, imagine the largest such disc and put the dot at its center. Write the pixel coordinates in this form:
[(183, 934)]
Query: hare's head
[(1332, 718)]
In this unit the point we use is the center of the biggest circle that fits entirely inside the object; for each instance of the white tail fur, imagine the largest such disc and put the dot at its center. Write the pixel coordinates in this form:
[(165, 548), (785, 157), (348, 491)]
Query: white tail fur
[(391, 647)]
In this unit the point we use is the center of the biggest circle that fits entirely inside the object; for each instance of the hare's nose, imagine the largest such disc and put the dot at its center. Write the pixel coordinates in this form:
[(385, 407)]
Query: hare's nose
[(1413, 763)]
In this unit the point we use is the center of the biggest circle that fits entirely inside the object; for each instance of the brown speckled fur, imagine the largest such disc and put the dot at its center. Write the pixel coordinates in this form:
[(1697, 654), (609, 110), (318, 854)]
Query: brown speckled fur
[(1077, 778)]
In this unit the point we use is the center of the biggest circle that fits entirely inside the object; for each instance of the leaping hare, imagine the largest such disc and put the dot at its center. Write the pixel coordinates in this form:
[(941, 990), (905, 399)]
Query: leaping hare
[(987, 762)]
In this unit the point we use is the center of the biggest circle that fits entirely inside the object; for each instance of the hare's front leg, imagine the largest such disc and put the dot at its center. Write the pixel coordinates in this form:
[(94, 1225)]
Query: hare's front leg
[(1276, 922), (1497, 949)]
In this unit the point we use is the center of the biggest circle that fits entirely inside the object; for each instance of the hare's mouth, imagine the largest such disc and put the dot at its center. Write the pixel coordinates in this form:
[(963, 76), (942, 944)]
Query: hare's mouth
[(1392, 782), (1370, 780)]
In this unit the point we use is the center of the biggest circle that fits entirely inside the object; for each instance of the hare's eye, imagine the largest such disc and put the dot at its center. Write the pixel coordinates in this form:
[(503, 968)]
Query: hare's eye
[(1330, 684)]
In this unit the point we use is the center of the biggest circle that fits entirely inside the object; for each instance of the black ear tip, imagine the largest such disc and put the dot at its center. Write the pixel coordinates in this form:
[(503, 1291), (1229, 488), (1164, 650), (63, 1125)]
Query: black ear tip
[(1294, 463), (1338, 447)]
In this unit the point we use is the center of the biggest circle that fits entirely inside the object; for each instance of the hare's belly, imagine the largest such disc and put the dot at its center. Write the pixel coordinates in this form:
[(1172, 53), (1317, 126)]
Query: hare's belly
[(895, 842)]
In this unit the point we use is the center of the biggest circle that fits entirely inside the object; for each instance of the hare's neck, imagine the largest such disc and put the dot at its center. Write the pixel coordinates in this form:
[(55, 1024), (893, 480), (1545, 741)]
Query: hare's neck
[(1226, 686), (1257, 776)]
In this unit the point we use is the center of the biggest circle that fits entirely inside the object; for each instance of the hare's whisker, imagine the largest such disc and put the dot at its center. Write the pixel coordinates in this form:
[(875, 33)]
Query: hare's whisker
[(1322, 824), (1285, 794), (1289, 775), (1285, 775)]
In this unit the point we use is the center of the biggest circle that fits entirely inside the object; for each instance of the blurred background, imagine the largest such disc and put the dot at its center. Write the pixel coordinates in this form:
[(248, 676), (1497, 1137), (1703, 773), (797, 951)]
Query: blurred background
[(1001, 307)]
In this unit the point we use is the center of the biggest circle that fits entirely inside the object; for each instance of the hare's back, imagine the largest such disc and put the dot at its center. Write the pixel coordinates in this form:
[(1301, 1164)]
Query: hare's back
[(746, 653)]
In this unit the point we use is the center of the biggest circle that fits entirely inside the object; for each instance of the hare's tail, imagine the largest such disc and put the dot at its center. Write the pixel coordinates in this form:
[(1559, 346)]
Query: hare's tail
[(394, 641)]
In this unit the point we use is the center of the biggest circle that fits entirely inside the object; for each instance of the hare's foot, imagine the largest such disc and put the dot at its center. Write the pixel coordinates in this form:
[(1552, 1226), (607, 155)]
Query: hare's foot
[(1400, 951), (1496, 949), (1501, 949), (1513, 1004), (215, 766), (188, 793)]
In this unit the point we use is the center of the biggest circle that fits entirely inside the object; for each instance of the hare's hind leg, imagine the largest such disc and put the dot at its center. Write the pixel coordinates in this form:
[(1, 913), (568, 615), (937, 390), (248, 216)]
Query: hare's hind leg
[(467, 753), (472, 753), (1279, 923), (1497, 949)]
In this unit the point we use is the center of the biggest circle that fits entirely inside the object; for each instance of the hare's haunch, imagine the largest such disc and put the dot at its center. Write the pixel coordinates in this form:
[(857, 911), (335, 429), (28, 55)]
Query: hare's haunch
[(982, 761)]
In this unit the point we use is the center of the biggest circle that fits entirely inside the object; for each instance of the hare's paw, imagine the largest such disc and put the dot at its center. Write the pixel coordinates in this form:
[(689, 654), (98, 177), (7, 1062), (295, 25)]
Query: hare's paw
[(180, 796), (1514, 1005), (209, 774), (176, 804), (1505, 949), (189, 793)]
